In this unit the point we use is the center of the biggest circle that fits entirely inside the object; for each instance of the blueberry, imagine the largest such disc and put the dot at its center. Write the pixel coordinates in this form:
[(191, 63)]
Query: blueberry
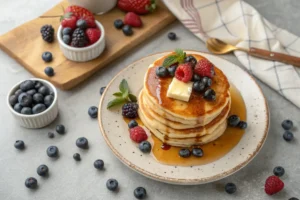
[(287, 124), (26, 111), (206, 81), (25, 99), (196, 77), (230, 188), (18, 107), (293, 198), (172, 36), (49, 71), (102, 90), (38, 85), (66, 39), (99, 164), (278, 171), (145, 146), (48, 100), (118, 23), (162, 71), (38, 98), (242, 125), (140, 193), (190, 59), (42, 170), (233, 120), (18, 92), (44, 90), (198, 86), (19, 144), (132, 124), (172, 69), (210, 95), (31, 183), (67, 31), (288, 136), (112, 184), (27, 85), (82, 143), (76, 156), (31, 92), (51, 135), (47, 56), (60, 129), (38, 108), (198, 152), (52, 151), (81, 23), (185, 153), (13, 99), (93, 112), (127, 30)]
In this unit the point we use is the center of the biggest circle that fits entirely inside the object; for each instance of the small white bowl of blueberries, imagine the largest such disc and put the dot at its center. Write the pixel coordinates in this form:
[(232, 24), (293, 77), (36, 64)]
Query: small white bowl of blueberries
[(33, 103)]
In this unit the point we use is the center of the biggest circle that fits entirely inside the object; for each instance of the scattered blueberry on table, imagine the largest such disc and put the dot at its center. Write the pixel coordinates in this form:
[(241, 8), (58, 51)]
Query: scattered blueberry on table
[(31, 183), (47, 56), (93, 112), (172, 36), (198, 152), (140, 193), (230, 188), (19, 144), (52, 151), (112, 184), (279, 171), (102, 90), (287, 124), (82, 143), (77, 157), (99, 164), (288, 136), (51, 135), (127, 30), (42, 170), (60, 129), (49, 71), (184, 153), (118, 23)]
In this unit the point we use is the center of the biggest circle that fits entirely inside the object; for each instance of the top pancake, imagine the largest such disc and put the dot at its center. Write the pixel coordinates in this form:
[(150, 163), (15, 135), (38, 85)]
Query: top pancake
[(197, 111)]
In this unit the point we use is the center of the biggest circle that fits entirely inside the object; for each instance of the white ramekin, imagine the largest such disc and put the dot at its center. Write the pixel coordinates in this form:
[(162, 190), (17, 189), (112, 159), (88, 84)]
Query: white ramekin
[(82, 54), (95, 6), (37, 120)]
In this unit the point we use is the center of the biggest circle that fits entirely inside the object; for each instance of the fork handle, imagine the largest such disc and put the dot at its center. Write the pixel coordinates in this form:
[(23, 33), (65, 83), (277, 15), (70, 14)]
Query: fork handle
[(280, 57)]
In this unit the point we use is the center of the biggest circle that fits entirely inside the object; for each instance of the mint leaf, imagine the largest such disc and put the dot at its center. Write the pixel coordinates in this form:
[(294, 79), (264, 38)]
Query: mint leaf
[(118, 94), (170, 60), (115, 102), (132, 98), (180, 55), (125, 94), (124, 86)]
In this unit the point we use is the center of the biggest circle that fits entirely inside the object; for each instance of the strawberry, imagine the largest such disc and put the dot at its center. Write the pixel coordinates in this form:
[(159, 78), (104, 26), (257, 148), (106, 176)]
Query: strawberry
[(133, 19), (204, 68), (93, 35), (137, 6), (79, 11), (184, 72), (138, 134), (68, 20), (273, 185)]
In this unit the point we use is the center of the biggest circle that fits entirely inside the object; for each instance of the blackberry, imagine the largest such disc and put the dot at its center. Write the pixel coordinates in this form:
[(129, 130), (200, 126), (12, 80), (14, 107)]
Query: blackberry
[(47, 32), (130, 110), (79, 38)]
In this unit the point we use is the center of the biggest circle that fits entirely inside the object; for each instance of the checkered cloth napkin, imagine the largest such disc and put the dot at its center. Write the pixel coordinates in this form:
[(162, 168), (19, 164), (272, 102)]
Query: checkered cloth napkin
[(238, 23)]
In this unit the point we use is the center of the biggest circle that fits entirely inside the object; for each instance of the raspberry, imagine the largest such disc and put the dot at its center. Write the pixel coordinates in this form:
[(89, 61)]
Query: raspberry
[(184, 72), (204, 68), (130, 110), (273, 185), (138, 134)]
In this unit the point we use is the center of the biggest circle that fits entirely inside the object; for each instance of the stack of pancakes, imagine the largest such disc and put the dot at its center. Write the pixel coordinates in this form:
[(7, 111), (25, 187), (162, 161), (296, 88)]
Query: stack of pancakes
[(180, 123)]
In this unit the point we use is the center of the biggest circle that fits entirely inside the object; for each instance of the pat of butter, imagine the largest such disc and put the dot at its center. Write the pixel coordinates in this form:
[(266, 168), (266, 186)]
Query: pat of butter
[(180, 90)]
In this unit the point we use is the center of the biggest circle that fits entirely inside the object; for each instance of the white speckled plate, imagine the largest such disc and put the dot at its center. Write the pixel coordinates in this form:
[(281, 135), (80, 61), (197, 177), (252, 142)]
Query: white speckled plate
[(115, 131)]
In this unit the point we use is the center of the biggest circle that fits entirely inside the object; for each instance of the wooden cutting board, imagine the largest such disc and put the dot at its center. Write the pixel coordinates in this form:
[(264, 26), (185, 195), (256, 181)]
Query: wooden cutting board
[(26, 45)]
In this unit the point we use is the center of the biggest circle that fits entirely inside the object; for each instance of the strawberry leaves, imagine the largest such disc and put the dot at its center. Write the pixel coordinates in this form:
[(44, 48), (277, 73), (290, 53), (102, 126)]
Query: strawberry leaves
[(174, 58), (122, 96)]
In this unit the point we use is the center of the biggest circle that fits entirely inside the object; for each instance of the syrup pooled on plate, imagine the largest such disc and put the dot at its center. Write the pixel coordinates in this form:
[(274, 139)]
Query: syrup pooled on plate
[(213, 151)]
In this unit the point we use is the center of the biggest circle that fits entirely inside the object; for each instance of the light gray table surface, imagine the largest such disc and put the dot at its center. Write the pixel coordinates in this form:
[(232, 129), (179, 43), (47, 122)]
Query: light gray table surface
[(80, 180)]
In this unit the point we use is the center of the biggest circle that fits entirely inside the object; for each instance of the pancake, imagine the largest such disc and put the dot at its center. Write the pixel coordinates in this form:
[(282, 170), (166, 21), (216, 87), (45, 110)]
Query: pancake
[(197, 111)]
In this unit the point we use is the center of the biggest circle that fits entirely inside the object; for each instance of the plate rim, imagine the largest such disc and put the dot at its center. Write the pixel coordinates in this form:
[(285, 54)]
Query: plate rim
[(181, 181)]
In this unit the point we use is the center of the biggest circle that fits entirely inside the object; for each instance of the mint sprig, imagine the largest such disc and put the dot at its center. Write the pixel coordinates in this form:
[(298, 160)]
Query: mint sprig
[(123, 96), (174, 58)]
